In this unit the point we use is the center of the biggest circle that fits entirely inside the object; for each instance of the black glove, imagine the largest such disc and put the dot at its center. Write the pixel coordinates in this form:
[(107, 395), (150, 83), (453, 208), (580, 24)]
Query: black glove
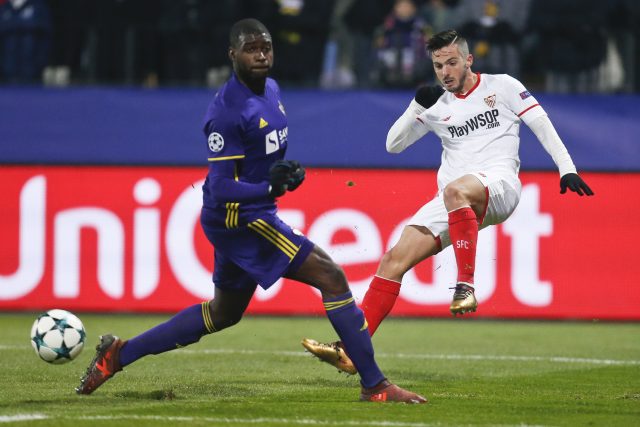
[(575, 184), (428, 95), (285, 175), (296, 176)]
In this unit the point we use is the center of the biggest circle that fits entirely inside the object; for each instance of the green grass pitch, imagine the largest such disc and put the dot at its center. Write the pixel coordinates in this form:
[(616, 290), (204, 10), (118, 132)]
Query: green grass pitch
[(475, 373)]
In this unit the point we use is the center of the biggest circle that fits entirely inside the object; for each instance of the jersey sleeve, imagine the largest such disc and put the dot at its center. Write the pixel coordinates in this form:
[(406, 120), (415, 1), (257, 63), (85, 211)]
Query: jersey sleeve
[(522, 103), (226, 153), (519, 100), (224, 140), (408, 128)]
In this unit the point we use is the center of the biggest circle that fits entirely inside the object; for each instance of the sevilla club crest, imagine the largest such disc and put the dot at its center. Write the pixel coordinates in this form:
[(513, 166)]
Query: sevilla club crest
[(490, 101)]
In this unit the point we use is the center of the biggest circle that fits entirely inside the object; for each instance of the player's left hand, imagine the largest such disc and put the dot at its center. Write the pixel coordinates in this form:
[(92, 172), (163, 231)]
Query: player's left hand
[(575, 184), (285, 175), (296, 176)]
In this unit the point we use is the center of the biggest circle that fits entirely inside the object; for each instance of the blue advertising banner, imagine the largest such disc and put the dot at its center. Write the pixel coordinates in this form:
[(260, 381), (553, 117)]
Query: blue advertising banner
[(121, 126)]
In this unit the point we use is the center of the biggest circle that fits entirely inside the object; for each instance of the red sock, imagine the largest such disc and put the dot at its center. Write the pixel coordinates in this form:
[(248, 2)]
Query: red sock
[(463, 231), (378, 301)]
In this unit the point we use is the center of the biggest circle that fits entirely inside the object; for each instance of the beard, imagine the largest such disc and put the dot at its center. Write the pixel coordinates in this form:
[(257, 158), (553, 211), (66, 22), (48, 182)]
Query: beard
[(463, 80)]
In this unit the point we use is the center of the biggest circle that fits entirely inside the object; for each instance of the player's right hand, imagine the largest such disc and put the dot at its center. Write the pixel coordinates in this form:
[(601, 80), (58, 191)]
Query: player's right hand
[(428, 95), (285, 175)]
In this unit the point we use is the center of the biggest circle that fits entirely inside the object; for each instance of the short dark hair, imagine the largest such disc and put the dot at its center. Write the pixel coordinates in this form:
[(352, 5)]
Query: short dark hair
[(446, 38), (245, 26)]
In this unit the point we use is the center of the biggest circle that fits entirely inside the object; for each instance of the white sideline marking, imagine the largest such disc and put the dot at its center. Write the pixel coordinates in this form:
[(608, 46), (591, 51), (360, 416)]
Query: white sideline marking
[(475, 357), (481, 357), (12, 347), (301, 421), (21, 417), (295, 421)]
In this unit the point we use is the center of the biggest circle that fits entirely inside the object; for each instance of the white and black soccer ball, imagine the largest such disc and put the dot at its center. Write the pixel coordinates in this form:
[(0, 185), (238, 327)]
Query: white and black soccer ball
[(58, 336)]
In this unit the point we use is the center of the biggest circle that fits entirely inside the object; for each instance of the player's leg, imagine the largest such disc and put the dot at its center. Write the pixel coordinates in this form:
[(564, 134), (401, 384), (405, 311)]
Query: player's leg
[(466, 200), (420, 239), (113, 353), (183, 329), (278, 251), (416, 244), (228, 306), (234, 289), (502, 197), (191, 324), (319, 271)]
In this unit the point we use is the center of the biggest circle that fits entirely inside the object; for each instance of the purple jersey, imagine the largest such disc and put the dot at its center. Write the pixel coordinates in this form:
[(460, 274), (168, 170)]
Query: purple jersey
[(245, 134)]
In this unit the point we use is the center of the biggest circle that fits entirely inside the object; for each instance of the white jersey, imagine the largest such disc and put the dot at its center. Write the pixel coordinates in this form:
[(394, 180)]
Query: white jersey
[(479, 130)]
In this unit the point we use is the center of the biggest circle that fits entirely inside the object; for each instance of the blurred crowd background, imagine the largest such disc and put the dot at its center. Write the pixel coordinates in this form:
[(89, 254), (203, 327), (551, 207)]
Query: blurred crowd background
[(558, 46)]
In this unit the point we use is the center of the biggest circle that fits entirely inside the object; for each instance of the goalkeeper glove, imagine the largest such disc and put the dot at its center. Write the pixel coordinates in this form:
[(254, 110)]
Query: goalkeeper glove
[(428, 95), (285, 175), (575, 184)]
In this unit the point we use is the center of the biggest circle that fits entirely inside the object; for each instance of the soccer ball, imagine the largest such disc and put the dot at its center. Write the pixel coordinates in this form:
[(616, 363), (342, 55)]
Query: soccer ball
[(57, 336)]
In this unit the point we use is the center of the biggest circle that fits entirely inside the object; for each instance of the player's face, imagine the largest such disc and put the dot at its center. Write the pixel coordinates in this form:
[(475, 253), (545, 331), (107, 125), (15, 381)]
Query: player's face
[(451, 68), (253, 57)]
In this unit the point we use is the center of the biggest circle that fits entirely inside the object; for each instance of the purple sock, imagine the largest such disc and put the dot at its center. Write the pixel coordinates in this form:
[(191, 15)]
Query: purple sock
[(349, 322), (186, 327)]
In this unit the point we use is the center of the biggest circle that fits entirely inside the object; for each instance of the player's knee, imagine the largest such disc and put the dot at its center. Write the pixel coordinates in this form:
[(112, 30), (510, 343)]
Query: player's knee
[(223, 322), (333, 280), (453, 194), (392, 266)]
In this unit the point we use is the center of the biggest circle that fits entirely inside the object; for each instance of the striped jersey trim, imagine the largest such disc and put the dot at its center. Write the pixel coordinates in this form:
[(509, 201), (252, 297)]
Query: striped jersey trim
[(231, 221), (281, 241), (217, 159), (206, 316), (527, 109), (333, 305)]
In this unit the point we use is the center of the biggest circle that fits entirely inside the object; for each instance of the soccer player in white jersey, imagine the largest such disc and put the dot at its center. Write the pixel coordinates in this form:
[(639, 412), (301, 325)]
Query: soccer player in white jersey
[(477, 117)]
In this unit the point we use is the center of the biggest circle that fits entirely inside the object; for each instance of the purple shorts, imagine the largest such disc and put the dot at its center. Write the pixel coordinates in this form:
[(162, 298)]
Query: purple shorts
[(262, 251)]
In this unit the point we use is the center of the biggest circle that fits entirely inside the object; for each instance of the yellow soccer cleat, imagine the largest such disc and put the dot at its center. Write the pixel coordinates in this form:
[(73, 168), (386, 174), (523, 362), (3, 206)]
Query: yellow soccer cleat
[(332, 353), (464, 300)]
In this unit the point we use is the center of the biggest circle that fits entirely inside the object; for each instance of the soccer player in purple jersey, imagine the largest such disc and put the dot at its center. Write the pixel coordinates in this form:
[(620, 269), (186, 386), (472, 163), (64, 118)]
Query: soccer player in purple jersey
[(246, 130)]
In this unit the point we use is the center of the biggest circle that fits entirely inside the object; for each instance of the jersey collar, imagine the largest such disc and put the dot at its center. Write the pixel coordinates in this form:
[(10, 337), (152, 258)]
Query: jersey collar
[(460, 96), (245, 90)]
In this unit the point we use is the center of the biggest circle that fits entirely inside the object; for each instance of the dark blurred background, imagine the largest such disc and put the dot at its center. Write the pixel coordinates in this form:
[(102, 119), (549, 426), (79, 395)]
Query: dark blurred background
[(557, 46)]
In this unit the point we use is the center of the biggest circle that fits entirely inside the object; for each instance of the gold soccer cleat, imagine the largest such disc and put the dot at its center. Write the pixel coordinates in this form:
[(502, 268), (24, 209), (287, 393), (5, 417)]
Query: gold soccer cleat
[(332, 353), (464, 300)]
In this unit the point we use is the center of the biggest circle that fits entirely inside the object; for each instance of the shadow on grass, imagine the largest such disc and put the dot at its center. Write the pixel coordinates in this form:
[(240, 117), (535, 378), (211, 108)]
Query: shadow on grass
[(150, 395), (168, 394)]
